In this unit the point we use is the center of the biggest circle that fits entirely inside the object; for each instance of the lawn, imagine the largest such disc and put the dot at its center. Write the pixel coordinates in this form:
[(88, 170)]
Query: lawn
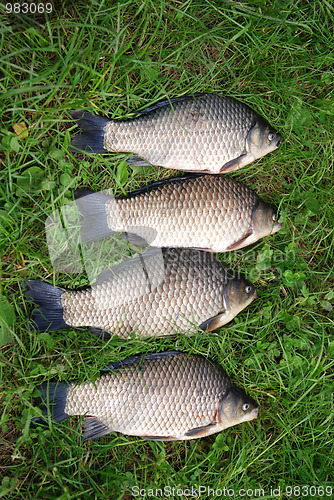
[(112, 58)]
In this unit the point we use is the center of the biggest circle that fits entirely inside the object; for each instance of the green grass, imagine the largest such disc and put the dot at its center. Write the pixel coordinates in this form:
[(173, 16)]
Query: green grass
[(278, 58)]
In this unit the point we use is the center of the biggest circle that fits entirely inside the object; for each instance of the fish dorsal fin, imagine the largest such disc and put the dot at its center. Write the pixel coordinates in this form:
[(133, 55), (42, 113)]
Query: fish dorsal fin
[(206, 430), (138, 359), (157, 184), (128, 262), (94, 428), (213, 323), (241, 243), (168, 102)]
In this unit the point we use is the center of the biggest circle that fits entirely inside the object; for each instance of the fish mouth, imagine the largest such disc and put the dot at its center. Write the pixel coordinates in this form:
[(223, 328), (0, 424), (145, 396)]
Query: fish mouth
[(279, 142), (255, 294), (254, 413), (277, 227)]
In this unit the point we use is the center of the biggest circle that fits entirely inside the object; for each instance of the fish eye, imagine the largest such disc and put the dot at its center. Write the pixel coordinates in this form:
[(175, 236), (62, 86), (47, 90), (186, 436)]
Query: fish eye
[(245, 406), (271, 136), (274, 217), (248, 289)]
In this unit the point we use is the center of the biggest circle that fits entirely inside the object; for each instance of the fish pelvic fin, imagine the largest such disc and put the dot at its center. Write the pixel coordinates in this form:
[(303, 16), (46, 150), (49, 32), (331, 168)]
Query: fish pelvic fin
[(99, 332), (94, 428), (136, 161), (49, 314), (92, 138), (52, 402)]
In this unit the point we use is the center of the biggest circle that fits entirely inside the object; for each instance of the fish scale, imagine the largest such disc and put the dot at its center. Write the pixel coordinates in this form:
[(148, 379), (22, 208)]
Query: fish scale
[(156, 294), (201, 132), (187, 393), (209, 146), (182, 216), (194, 289), (163, 396)]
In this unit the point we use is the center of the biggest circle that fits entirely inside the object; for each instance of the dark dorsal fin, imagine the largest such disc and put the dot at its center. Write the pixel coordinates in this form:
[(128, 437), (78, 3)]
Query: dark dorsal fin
[(157, 184), (128, 262), (138, 359), (168, 102)]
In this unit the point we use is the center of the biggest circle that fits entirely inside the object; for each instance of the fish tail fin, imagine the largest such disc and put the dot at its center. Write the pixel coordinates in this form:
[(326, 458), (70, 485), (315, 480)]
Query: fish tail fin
[(92, 137), (92, 207), (51, 402), (49, 314)]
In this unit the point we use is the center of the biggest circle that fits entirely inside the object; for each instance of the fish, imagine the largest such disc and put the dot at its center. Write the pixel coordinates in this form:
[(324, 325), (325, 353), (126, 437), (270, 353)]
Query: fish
[(157, 293), (211, 213), (198, 133), (166, 396)]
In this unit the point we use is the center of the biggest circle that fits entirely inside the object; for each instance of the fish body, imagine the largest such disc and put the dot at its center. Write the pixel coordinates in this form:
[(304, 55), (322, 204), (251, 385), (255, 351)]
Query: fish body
[(213, 213), (156, 294), (164, 396), (198, 133)]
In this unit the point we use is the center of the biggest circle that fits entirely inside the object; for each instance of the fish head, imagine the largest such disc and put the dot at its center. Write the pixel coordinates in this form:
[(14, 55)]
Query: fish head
[(264, 220), (236, 407), (238, 294), (262, 139)]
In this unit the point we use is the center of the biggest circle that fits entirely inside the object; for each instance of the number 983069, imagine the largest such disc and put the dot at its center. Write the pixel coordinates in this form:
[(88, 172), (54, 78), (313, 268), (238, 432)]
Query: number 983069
[(29, 8)]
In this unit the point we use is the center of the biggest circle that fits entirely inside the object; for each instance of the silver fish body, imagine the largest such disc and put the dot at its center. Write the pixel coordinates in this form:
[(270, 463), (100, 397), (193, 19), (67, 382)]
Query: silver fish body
[(198, 133), (164, 396), (156, 294), (212, 213)]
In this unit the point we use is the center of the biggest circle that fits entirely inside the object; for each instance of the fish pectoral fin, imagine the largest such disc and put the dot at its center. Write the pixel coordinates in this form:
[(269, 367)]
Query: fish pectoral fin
[(235, 164), (94, 428), (241, 243), (160, 438), (206, 430), (213, 323)]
